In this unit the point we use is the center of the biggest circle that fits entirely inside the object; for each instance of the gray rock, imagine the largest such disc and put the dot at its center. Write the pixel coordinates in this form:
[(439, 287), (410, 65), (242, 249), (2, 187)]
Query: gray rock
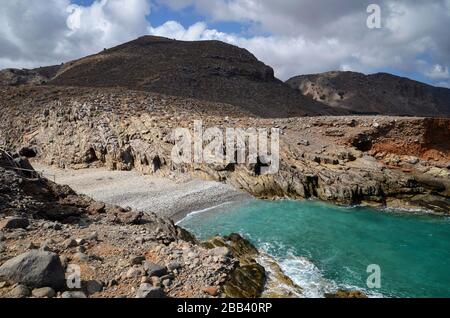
[(94, 286), (148, 291), (73, 294), (136, 260), (20, 291), (154, 269), (135, 271), (2, 236), (173, 266), (35, 269), (70, 243), (221, 251), (91, 237), (303, 142), (14, 223), (45, 292)]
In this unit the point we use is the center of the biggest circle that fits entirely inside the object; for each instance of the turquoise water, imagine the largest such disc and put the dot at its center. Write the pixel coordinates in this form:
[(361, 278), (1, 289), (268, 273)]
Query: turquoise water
[(324, 247)]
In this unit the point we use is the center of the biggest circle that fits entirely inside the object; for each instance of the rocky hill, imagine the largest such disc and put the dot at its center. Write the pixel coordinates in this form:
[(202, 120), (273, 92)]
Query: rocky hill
[(381, 93), (206, 70)]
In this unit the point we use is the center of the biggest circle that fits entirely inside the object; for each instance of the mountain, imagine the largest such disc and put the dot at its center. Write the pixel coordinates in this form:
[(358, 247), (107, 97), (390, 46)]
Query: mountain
[(374, 94), (207, 70)]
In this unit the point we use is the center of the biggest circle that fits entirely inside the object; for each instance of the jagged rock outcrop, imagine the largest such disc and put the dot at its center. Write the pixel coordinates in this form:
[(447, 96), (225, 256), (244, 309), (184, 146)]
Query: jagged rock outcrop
[(15, 77), (382, 94)]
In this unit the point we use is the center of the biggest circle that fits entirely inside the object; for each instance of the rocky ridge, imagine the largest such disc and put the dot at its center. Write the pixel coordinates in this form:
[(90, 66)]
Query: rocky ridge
[(206, 70), (375, 94)]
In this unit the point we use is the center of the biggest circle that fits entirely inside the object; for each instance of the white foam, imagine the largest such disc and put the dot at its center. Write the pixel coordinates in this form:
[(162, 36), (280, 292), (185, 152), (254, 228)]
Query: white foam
[(193, 213)]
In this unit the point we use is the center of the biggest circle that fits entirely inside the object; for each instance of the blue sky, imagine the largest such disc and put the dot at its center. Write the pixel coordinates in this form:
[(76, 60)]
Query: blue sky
[(293, 36)]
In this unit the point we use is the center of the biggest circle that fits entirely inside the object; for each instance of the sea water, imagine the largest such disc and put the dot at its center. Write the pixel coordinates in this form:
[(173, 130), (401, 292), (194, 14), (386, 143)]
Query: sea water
[(323, 247)]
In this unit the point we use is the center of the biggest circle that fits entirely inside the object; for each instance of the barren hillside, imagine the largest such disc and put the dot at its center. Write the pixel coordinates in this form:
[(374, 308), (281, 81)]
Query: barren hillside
[(382, 93)]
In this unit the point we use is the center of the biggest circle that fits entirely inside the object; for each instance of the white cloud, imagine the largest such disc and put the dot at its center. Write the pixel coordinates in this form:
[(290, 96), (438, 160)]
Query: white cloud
[(305, 36), (42, 32), (438, 72), (333, 34)]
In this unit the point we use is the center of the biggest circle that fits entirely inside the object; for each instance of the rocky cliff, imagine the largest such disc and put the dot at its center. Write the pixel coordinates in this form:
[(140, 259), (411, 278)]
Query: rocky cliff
[(382, 161), (382, 94)]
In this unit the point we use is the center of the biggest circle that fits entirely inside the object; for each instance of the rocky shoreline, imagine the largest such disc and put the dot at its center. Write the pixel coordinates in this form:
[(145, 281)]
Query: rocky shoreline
[(56, 243), (47, 229)]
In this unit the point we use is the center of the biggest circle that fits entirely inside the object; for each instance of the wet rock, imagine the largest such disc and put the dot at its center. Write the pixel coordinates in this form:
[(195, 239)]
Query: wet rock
[(35, 269), (148, 291), (248, 279), (346, 294), (14, 223), (44, 292)]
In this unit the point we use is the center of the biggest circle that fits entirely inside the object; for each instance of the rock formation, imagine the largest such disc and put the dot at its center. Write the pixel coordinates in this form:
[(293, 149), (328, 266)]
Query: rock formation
[(376, 94)]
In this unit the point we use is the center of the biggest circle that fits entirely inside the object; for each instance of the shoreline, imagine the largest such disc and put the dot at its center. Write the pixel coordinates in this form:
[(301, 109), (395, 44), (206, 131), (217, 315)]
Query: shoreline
[(174, 199)]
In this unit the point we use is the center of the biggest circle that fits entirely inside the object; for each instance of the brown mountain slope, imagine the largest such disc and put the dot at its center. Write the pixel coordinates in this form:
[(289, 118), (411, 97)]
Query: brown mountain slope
[(375, 94), (208, 70)]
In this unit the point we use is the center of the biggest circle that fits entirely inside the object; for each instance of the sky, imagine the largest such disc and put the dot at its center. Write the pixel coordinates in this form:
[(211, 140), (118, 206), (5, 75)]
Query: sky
[(292, 36)]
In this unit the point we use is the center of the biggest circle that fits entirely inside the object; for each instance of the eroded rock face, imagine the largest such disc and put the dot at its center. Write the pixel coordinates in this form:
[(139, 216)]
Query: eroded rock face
[(15, 77), (373, 160), (383, 94)]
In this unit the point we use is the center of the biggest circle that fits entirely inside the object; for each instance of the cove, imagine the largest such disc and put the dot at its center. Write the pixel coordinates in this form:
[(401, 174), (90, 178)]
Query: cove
[(323, 247)]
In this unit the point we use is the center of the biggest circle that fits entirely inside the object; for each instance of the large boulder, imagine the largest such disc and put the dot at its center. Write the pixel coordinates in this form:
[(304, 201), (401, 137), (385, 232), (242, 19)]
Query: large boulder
[(35, 269), (14, 223), (148, 291)]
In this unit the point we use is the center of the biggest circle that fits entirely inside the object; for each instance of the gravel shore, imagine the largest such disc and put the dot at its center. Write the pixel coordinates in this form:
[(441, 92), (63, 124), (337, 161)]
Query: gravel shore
[(161, 196)]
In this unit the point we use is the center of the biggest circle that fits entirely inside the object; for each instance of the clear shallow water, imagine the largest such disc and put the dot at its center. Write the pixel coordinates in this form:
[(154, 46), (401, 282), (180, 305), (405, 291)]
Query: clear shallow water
[(323, 247)]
